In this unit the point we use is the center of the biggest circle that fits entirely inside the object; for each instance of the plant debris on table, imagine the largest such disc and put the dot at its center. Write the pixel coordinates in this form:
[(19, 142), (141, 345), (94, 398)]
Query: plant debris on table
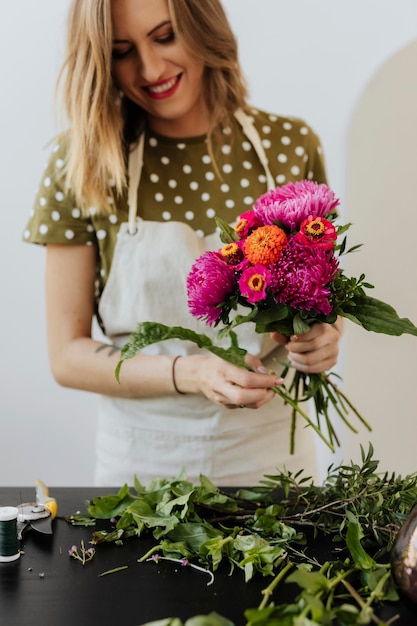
[(269, 530)]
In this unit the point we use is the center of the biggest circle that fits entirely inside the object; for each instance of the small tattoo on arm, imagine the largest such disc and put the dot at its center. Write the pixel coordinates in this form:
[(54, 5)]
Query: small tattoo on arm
[(105, 346)]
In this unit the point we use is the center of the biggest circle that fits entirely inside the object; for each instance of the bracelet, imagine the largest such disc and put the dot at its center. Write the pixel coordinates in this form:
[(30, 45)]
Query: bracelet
[(173, 376)]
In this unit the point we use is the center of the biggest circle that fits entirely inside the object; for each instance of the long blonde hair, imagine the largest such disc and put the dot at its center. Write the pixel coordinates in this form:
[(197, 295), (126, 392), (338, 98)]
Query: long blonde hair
[(102, 124)]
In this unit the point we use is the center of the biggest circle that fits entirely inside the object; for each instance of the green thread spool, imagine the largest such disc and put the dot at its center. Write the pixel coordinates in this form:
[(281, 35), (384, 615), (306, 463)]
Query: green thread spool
[(9, 541)]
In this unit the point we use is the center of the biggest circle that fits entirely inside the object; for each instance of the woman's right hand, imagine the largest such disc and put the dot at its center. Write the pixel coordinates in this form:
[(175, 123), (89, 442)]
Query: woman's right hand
[(226, 384)]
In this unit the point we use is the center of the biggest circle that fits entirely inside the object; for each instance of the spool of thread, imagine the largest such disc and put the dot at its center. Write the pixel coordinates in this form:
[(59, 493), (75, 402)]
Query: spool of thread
[(9, 541)]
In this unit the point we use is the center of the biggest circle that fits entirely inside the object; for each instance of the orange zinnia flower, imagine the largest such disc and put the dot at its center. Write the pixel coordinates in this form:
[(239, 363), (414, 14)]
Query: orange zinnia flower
[(265, 244)]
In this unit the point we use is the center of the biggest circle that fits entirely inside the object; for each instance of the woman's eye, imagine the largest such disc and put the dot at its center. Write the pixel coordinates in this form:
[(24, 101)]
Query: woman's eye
[(121, 53), (170, 36)]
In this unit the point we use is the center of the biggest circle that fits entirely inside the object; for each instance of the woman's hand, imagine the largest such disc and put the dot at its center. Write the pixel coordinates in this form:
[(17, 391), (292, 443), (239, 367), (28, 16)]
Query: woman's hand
[(316, 351), (226, 384)]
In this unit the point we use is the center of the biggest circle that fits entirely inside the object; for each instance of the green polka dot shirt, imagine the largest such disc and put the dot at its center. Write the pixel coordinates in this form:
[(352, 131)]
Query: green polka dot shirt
[(179, 182)]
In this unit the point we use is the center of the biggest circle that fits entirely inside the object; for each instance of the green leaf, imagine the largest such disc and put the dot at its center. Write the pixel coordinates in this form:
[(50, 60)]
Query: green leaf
[(165, 507), (102, 536), (80, 519), (211, 497), (175, 549), (313, 582), (113, 505), (379, 317), (354, 535), (299, 325), (258, 555), (147, 333), (274, 313), (142, 512), (194, 534), (227, 232), (266, 617), (214, 549)]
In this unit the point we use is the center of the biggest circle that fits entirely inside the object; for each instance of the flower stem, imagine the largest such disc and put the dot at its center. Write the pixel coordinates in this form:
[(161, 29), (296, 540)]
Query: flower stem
[(374, 595), (342, 396), (267, 593), (288, 400), (149, 553)]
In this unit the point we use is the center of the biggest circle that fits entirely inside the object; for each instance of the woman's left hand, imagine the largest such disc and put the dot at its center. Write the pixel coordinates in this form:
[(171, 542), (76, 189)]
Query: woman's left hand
[(316, 351)]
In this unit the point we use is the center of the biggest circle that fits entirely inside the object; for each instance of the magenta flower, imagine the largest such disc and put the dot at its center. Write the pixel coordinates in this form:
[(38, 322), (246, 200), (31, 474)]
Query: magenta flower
[(317, 231), (292, 203), (253, 283), (301, 277), (246, 224), (210, 281)]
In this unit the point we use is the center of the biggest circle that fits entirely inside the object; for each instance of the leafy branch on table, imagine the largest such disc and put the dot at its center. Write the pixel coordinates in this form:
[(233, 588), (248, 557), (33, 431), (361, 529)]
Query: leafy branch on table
[(267, 530)]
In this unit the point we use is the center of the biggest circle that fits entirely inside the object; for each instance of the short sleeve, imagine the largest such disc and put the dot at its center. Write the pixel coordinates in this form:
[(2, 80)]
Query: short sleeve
[(55, 217)]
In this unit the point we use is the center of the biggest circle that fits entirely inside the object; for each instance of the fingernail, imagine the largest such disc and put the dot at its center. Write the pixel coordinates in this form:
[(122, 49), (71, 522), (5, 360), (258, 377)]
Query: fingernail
[(262, 370), (279, 381), (294, 337)]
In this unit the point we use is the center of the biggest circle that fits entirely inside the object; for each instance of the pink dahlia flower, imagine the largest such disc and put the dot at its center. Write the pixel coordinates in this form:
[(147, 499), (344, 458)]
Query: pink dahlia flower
[(301, 277), (253, 283), (209, 283), (292, 203)]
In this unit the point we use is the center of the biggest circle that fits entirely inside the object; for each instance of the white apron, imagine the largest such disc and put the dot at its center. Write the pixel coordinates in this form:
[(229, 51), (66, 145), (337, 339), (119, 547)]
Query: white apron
[(158, 436)]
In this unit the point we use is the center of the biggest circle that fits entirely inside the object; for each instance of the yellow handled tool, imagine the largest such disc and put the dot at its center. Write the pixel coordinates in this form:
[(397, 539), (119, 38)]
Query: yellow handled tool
[(37, 515), (42, 497)]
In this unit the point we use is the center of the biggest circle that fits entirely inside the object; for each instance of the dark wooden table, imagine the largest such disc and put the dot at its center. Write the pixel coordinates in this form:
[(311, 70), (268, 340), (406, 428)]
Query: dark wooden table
[(47, 587)]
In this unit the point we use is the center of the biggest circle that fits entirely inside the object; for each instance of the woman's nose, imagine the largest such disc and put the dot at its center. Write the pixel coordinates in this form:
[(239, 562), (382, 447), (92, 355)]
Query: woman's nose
[(152, 65)]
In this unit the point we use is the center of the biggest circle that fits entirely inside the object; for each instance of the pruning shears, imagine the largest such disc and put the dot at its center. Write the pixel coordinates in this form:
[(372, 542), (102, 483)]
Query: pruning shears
[(37, 515)]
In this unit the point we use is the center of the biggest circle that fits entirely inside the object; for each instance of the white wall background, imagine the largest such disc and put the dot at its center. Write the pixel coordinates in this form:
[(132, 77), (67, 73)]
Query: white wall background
[(310, 58)]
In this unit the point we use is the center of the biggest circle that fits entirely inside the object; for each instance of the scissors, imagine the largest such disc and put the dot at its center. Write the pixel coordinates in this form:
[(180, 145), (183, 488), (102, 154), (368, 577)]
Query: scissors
[(37, 515)]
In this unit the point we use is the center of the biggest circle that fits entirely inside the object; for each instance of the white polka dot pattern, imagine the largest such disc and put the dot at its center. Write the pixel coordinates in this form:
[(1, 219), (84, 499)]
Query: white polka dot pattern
[(180, 181)]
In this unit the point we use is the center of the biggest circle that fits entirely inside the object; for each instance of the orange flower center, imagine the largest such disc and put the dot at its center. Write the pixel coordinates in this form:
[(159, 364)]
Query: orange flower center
[(265, 244)]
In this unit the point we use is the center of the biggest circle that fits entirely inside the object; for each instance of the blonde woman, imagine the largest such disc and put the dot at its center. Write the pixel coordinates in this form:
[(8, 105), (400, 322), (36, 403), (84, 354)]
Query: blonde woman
[(160, 140)]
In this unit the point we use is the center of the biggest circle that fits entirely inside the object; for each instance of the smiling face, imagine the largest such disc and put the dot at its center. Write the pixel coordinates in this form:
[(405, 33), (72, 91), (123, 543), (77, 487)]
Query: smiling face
[(152, 68)]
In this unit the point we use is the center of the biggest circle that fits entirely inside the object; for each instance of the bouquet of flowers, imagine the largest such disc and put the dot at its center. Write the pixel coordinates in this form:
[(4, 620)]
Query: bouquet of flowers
[(281, 261)]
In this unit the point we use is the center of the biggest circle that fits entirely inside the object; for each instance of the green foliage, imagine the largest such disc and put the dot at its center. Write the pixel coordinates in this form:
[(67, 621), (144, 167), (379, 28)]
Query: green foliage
[(268, 531), (148, 333), (377, 316)]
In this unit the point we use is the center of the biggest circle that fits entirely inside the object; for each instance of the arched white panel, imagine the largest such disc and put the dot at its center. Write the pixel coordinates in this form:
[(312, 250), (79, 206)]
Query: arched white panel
[(380, 372)]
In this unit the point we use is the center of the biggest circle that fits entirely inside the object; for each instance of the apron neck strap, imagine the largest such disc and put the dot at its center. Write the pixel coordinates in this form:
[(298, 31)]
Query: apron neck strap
[(252, 134), (135, 164)]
